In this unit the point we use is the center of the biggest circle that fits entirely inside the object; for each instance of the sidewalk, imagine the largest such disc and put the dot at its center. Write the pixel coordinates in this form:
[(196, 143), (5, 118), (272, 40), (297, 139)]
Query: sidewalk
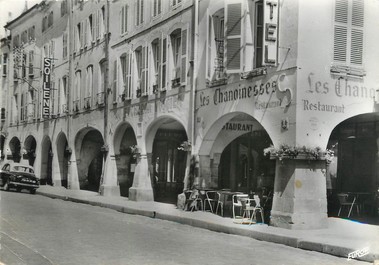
[(340, 238)]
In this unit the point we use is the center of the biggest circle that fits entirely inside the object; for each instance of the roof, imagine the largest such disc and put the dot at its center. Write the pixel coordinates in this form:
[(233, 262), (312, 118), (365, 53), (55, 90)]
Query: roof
[(23, 14)]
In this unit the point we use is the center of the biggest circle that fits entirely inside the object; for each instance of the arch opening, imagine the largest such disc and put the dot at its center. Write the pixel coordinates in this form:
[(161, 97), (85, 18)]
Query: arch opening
[(167, 163), (354, 168), (63, 153), (30, 146), (89, 158), (124, 140), (46, 162), (15, 150)]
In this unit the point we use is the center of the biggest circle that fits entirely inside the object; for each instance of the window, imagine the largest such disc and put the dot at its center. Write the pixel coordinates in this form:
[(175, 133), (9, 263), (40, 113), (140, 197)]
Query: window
[(16, 41), (126, 75), (63, 7), (44, 24), (164, 64), (240, 41), (24, 37), (23, 65), (139, 12), (156, 69), (124, 19), (23, 108), (348, 32), (175, 3), (179, 57), (77, 90), (100, 23), (51, 19), (31, 33), (157, 7), (5, 64), (78, 36), (89, 86), (142, 70), (31, 63), (91, 30), (65, 45)]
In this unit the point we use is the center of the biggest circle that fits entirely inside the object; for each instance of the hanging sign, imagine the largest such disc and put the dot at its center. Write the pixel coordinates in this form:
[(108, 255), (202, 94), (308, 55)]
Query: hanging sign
[(46, 87)]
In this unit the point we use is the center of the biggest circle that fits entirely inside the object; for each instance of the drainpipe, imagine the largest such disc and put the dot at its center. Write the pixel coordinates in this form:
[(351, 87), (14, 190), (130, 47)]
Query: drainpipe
[(68, 83), (194, 81)]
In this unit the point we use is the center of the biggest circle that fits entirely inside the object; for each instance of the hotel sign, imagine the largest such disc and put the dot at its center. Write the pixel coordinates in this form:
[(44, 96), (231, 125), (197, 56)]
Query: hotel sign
[(46, 87)]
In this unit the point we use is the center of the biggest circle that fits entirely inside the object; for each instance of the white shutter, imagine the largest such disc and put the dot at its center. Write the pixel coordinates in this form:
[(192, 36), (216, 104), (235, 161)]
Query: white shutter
[(357, 22), (184, 52), (164, 64), (233, 36)]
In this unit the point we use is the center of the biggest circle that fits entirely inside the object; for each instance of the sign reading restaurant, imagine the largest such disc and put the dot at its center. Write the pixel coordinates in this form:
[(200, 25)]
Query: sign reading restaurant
[(46, 87)]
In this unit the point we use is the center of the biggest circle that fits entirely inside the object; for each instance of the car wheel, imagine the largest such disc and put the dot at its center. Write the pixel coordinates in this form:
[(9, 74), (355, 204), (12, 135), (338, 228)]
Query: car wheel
[(33, 191), (6, 186)]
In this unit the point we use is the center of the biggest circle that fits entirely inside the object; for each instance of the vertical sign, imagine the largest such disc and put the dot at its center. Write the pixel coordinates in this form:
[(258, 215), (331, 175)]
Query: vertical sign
[(46, 87), (270, 31)]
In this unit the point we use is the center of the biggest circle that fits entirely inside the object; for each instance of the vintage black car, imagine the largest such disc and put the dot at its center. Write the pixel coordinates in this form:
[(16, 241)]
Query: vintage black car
[(19, 177)]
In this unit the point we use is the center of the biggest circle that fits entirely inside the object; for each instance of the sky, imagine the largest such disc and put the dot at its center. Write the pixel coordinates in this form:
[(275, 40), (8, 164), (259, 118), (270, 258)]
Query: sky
[(16, 7)]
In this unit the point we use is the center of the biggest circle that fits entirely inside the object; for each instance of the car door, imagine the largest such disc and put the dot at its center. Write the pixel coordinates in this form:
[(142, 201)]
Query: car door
[(4, 174)]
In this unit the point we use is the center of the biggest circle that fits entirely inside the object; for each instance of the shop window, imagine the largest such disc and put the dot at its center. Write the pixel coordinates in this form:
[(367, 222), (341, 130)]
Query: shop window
[(157, 7), (139, 12), (124, 19), (348, 37)]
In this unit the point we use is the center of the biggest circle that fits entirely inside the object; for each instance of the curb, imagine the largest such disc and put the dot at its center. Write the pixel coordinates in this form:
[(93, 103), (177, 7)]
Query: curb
[(267, 237)]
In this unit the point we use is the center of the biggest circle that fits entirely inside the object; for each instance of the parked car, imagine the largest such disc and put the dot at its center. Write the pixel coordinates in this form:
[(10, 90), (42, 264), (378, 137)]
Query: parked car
[(18, 176)]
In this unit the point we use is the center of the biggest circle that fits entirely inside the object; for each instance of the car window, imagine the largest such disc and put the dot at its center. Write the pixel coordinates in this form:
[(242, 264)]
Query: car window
[(23, 169), (6, 167)]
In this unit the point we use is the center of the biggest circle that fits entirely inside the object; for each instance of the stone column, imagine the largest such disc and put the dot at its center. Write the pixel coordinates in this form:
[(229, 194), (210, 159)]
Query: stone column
[(72, 174), (56, 173), (110, 186), (299, 194), (141, 189), (215, 166)]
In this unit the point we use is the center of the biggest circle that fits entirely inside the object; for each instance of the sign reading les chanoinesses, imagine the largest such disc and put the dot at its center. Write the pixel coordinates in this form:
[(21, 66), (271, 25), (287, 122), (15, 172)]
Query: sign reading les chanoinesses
[(46, 87)]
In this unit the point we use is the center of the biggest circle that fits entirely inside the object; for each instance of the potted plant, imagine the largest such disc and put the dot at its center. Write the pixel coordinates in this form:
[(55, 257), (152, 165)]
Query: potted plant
[(296, 152)]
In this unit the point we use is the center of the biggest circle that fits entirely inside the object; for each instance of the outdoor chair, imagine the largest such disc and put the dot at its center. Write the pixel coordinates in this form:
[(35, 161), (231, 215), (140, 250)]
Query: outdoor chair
[(252, 207), (213, 201), (347, 201), (239, 201), (194, 200)]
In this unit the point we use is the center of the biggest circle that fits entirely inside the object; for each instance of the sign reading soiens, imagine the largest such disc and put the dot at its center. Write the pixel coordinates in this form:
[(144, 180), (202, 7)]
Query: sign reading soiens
[(46, 87)]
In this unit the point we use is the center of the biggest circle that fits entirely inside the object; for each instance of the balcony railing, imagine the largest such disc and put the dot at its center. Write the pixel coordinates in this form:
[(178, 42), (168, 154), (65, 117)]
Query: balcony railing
[(100, 99), (87, 103), (75, 105), (64, 108)]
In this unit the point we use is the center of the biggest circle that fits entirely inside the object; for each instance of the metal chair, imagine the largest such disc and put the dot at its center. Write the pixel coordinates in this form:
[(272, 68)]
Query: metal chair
[(347, 200), (193, 201), (239, 201), (213, 200)]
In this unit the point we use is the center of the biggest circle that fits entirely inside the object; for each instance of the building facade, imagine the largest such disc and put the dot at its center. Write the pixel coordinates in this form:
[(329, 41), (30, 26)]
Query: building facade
[(148, 98)]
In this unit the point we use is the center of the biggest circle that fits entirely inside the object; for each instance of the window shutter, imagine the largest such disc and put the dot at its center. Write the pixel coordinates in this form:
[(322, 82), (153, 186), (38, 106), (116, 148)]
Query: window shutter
[(115, 92), (128, 86), (97, 14), (122, 20), (164, 63), (159, 6), (340, 31), (209, 47), (233, 36), (183, 68), (357, 22), (81, 34), (141, 11), (137, 12)]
